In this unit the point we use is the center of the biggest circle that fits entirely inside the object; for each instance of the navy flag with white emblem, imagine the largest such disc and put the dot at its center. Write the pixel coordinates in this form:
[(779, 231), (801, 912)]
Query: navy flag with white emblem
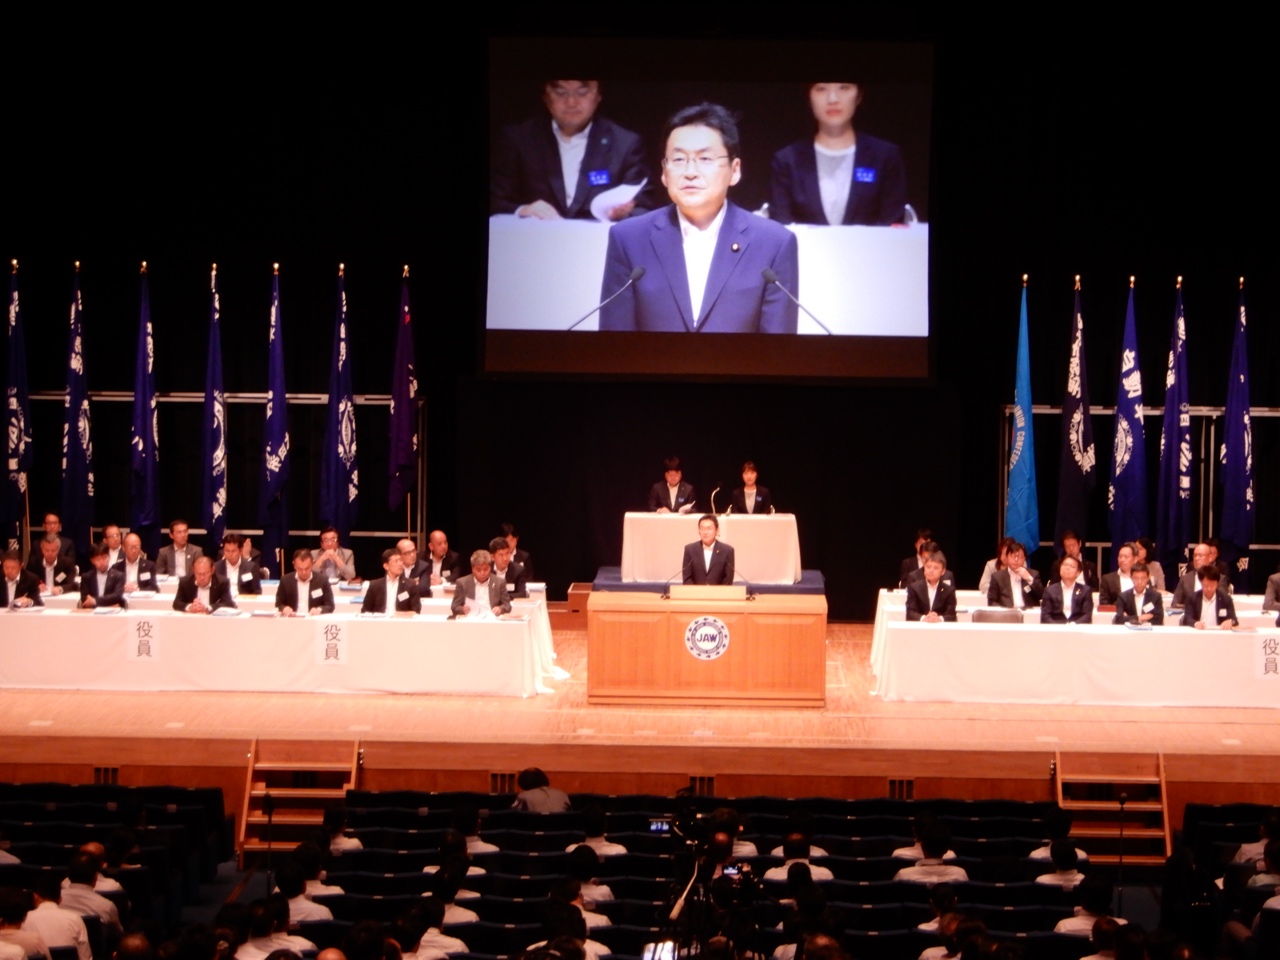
[(1077, 467), (339, 478), (18, 417), (77, 445), (1022, 509), (403, 468), (1127, 494), (144, 504), (1173, 491), (1236, 453), (275, 454), (213, 503)]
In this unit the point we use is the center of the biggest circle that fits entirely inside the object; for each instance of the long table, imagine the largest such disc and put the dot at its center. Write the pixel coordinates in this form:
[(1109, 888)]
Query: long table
[(766, 547), (1094, 665), (337, 653)]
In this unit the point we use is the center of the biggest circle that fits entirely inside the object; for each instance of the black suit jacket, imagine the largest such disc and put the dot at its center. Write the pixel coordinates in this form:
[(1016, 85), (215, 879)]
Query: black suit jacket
[(112, 596), (375, 597), (764, 501), (35, 566), (522, 557), (219, 593), (28, 585), (1088, 574), (287, 594), (452, 562), (1189, 586), (516, 579), (1193, 612), (1109, 591), (1000, 593), (1127, 607), (695, 568), (146, 573), (658, 496), (877, 195), (906, 569), (944, 601), (1053, 604), (526, 167), (253, 584)]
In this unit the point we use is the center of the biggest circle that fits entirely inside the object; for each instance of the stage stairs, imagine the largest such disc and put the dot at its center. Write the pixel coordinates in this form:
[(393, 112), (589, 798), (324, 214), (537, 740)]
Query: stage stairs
[(1111, 796), (297, 780)]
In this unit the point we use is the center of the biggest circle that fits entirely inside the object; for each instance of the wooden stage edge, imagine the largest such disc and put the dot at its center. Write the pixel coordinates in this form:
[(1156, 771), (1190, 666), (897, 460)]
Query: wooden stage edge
[(856, 746)]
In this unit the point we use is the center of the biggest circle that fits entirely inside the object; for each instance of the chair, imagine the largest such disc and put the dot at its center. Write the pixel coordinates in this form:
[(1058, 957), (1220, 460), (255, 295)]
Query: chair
[(324, 933), (496, 939)]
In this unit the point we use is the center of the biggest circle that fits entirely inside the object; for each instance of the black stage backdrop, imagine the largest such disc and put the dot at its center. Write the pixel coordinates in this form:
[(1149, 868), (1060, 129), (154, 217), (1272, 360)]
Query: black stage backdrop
[(1052, 156)]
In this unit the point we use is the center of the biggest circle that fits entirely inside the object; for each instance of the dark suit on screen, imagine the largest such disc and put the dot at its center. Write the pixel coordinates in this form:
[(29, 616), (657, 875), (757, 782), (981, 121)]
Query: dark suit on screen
[(944, 600), (1054, 605), (695, 567), (1000, 593), (526, 167), (1195, 611), (28, 585), (375, 597), (660, 496), (877, 196), (287, 594), (763, 504), (1128, 607), (112, 594), (219, 593), (736, 299)]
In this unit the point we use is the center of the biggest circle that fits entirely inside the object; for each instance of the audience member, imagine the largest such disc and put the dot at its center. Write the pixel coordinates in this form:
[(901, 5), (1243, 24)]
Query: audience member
[(537, 795), (78, 894), (15, 904), (800, 820), (795, 849), (293, 885), (593, 825), (1095, 903), (1065, 862), (931, 868), (584, 865), (56, 926)]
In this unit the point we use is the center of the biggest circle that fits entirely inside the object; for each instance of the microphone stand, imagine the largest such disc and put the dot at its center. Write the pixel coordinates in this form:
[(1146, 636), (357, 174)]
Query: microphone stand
[(1124, 797), (269, 808)]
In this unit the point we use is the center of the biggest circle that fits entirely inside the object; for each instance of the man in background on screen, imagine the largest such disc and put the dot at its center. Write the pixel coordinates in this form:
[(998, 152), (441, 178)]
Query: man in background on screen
[(699, 264), (552, 171)]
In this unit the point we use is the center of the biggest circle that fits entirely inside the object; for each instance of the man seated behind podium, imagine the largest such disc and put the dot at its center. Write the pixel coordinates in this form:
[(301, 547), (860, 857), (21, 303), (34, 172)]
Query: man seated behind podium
[(931, 599), (394, 593), (1210, 606), (1014, 585), (673, 495), (1068, 600), (1141, 603), (708, 561), (139, 572), (103, 585), (512, 573), (202, 591), (480, 591), (302, 589), (1073, 546), (18, 587), (241, 573), (1119, 580)]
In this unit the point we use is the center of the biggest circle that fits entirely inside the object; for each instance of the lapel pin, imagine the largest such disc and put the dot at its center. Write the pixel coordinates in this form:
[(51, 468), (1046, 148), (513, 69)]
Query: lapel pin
[(734, 248)]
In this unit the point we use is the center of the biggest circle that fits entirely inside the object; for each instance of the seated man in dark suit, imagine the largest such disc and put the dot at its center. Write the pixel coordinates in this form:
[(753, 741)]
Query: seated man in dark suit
[(708, 561), (931, 599), (1142, 602), (1072, 545), (301, 591), (394, 593), (139, 573), (1014, 585), (511, 572), (1210, 606), (18, 587), (66, 548), (103, 585), (1271, 597), (673, 496), (916, 560), (480, 592), (1202, 556), (241, 574), (1068, 600), (917, 575), (1118, 580), (512, 536), (414, 566), (55, 574), (446, 565), (202, 591), (177, 559)]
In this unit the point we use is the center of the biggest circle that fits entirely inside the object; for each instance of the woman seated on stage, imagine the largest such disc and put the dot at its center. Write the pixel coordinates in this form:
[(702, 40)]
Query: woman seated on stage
[(750, 498), (1146, 554)]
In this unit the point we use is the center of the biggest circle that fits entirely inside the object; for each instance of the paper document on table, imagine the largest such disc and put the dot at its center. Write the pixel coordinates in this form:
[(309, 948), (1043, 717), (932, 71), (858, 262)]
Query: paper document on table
[(622, 193)]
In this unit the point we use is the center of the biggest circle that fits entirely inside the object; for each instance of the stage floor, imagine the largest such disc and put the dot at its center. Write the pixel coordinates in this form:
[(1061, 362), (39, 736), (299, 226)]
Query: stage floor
[(852, 718)]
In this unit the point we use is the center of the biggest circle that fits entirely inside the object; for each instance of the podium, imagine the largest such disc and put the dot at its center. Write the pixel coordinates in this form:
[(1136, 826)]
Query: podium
[(717, 648)]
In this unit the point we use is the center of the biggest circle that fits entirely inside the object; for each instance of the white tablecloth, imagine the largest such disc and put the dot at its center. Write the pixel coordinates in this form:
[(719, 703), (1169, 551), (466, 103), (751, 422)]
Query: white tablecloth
[(766, 548), (164, 650), (1106, 666)]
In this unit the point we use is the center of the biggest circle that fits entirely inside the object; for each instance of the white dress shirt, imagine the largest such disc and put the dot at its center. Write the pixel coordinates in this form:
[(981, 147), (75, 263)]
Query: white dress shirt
[(699, 251)]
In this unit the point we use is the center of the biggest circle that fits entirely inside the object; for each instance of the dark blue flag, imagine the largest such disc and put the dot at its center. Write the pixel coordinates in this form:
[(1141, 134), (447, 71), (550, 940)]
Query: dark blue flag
[(1078, 463), (339, 478), (1022, 510), (1236, 532), (275, 453), (1127, 494), (403, 468), (18, 406), (77, 445), (144, 436), (213, 502), (1173, 491)]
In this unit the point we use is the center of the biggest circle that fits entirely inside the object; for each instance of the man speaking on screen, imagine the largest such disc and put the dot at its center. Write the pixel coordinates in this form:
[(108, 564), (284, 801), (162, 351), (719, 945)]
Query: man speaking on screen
[(699, 265)]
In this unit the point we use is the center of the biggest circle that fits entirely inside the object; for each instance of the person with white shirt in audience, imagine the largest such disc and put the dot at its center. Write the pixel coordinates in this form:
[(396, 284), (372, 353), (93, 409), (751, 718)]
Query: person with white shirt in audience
[(335, 824), (101, 585), (242, 575), (56, 926), (445, 886), (923, 824), (430, 944), (1210, 607), (795, 849), (593, 825), (1065, 862), (293, 886), (1095, 903), (560, 919), (931, 868), (1252, 852), (269, 930), (15, 904), (176, 559), (1103, 937), (800, 821), (584, 865), (310, 860), (569, 891), (139, 572), (466, 820), (956, 931), (1057, 827)]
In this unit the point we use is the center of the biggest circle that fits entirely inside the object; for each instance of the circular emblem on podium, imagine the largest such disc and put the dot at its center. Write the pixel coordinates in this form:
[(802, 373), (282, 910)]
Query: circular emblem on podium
[(707, 638)]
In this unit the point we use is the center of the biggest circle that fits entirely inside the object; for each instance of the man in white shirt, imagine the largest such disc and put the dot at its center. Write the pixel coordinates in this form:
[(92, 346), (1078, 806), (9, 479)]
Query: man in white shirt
[(56, 926), (241, 573), (931, 869), (431, 944), (176, 559), (113, 538), (466, 820), (593, 825), (1065, 862), (139, 572), (795, 849), (1095, 903), (56, 575), (15, 904), (301, 909), (268, 930), (79, 896)]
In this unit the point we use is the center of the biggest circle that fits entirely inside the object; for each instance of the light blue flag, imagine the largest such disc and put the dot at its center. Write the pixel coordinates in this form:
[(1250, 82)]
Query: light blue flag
[(1236, 453), (1173, 491), (213, 504), (1127, 494), (1022, 511)]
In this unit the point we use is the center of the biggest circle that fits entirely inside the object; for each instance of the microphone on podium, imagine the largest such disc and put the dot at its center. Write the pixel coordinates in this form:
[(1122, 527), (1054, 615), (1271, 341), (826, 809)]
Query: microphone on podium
[(636, 274), (771, 277)]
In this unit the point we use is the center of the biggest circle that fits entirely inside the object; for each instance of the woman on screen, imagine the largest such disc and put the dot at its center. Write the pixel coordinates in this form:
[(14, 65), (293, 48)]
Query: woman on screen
[(750, 498), (840, 176)]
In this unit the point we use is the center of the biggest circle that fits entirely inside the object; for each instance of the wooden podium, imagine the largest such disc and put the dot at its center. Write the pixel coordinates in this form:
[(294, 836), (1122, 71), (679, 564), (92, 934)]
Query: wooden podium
[(774, 653)]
